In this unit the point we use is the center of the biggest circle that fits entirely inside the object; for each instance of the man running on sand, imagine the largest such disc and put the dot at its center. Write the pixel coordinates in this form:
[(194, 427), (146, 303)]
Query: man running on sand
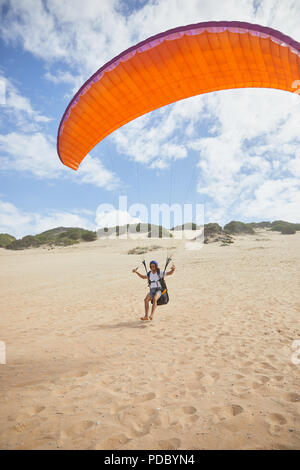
[(155, 287)]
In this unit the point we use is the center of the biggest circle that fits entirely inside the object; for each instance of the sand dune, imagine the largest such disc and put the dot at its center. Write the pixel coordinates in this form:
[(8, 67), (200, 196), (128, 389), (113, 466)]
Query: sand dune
[(212, 371)]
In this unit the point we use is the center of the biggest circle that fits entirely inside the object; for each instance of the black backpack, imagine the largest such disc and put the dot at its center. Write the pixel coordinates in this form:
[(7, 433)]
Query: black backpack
[(164, 298)]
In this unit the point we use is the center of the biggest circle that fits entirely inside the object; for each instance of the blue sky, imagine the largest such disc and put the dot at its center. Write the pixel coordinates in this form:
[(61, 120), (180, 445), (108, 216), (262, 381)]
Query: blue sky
[(236, 152)]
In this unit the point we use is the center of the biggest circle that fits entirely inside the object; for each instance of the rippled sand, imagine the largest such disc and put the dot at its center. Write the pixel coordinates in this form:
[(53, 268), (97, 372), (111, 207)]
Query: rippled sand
[(213, 370)]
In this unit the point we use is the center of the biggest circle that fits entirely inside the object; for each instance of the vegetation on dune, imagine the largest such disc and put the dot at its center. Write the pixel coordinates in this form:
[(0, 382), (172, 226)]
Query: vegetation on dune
[(239, 228), (141, 250), (5, 240), (159, 232), (152, 230), (257, 225), (187, 226), (212, 229), (59, 236), (288, 231), (213, 232), (286, 228)]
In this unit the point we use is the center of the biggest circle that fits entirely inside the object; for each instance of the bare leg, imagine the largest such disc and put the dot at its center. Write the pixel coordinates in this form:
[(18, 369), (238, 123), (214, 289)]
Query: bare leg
[(154, 305), (146, 301)]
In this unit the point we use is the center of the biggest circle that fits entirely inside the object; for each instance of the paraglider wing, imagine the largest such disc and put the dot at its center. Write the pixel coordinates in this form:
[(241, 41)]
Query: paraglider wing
[(171, 66)]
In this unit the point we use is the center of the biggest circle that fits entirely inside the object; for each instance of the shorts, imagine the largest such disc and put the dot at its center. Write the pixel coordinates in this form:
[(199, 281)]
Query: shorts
[(154, 291)]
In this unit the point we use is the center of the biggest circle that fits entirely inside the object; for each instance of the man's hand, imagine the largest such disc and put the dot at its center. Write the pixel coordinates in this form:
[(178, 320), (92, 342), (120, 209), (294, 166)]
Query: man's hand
[(134, 270), (169, 273)]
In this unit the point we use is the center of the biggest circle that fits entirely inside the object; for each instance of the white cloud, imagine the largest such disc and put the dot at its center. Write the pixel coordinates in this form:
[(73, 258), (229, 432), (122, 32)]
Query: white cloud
[(113, 218), (253, 137), (256, 141), (36, 154), (280, 199), (20, 223), (93, 172), (86, 38), (159, 137), (81, 37), (61, 76), (33, 151), (19, 110)]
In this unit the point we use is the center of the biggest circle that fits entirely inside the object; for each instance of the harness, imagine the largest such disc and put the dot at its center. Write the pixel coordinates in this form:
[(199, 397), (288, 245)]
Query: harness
[(164, 298), (163, 286)]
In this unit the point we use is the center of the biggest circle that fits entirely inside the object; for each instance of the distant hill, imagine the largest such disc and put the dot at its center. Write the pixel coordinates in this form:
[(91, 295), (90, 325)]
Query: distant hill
[(214, 233), (65, 236), (286, 228), (212, 229), (152, 230), (187, 226), (5, 239), (258, 225), (238, 228), (60, 236)]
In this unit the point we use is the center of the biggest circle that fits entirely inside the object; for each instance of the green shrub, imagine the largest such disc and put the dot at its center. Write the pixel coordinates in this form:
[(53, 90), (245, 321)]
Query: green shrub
[(279, 226), (212, 229), (25, 242), (159, 232), (89, 236), (260, 225), (288, 231), (67, 242), (5, 240), (285, 227), (236, 227), (60, 237)]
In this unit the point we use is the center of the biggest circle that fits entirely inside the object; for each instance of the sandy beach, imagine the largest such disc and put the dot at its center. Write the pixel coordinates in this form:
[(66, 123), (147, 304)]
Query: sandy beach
[(212, 371)]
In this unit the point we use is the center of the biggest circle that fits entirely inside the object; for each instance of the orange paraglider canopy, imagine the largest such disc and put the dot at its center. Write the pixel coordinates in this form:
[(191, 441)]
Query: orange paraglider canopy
[(171, 66)]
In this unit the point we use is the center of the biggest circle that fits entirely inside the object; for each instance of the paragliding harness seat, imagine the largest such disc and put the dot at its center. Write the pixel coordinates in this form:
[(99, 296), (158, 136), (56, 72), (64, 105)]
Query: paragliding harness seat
[(164, 298)]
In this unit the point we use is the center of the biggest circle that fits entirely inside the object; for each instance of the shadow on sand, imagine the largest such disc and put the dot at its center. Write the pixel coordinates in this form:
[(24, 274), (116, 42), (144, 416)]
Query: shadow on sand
[(125, 324)]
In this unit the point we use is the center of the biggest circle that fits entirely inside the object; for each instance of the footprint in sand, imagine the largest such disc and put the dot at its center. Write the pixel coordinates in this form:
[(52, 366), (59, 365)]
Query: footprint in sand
[(146, 397), (293, 397), (113, 442), (195, 386), (279, 378), (199, 375), (276, 418), (210, 379), (117, 408), (169, 444), (36, 410), (238, 376), (77, 429), (189, 410), (139, 421), (260, 381), (81, 374), (227, 412)]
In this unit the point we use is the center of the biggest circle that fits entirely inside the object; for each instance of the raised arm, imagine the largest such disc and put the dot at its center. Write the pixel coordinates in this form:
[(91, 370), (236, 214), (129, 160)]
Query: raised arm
[(169, 273), (142, 276)]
